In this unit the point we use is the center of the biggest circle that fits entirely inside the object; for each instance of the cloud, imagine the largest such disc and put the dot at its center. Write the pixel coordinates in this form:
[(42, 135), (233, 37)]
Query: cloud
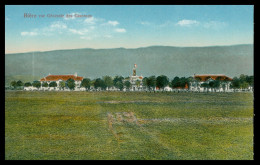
[(29, 33), (113, 23), (120, 30), (80, 32), (187, 23), (87, 29), (214, 25), (90, 20), (58, 25), (145, 23)]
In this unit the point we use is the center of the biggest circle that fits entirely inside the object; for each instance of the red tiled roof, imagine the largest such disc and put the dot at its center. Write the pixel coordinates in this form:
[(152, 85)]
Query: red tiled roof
[(213, 77), (61, 77)]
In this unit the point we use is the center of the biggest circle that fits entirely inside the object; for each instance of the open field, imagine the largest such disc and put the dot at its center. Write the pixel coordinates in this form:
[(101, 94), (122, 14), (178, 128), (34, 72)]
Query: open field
[(128, 125)]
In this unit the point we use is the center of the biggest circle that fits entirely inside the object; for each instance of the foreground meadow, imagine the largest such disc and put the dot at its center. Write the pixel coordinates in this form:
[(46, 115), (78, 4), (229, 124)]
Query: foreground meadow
[(128, 125)]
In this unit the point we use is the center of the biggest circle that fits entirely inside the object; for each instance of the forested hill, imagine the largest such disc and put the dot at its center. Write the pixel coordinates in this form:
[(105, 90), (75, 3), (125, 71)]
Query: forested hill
[(155, 60)]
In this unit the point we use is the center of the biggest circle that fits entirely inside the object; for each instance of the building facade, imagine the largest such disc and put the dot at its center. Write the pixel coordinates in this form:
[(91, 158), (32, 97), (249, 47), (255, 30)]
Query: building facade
[(136, 81), (58, 78), (199, 79)]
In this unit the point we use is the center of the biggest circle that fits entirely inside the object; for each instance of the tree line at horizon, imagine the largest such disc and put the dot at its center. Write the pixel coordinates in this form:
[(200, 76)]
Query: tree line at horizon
[(151, 83)]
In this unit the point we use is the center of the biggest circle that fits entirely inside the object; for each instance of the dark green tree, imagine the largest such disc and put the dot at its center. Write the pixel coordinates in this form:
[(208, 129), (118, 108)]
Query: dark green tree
[(36, 84), (250, 80), (244, 85), (118, 79), (216, 84), (211, 84), (118, 82), (242, 78), (53, 84), (99, 83), (162, 81), (235, 83), (108, 81), (243, 81), (86, 83), (183, 82), (62, 84), (13, 84), (45, 84), (127, 84), (151, 82), (27, 84), (205, 85), (175, 83), (120, 85), (144, 81), (19, 83), (70, 83)]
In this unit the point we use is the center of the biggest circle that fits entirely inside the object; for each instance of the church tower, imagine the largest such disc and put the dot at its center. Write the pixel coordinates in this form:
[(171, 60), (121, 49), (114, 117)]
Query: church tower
[(134, 70)]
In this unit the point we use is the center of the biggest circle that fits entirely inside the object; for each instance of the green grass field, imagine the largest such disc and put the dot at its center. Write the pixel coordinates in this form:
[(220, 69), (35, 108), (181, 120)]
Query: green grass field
[(128, 125)]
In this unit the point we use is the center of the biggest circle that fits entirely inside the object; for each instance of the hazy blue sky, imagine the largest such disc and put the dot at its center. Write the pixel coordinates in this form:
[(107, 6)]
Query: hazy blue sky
[(128, 26)]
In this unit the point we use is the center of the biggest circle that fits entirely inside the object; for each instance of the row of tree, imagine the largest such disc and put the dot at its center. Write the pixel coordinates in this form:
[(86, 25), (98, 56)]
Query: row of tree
[(107, 82), (150, 83), (70, 83), (242, 82)]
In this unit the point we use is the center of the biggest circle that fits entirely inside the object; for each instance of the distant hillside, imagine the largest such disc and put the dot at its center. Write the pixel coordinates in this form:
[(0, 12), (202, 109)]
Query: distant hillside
[(154, 60)]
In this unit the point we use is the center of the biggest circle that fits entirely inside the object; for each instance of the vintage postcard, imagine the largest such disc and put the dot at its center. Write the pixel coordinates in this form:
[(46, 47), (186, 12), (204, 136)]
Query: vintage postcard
[(129, 82)]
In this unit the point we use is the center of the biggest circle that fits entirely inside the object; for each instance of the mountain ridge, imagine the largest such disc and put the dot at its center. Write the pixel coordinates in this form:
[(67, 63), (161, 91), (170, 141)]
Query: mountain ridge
[(132, 48), (154, 60)]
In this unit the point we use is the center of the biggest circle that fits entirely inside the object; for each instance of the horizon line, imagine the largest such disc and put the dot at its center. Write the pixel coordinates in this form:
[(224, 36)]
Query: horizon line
[(132, 48)]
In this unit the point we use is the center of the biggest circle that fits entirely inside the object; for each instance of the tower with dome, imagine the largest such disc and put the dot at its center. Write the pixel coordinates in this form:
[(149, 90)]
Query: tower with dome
[(135, 80)]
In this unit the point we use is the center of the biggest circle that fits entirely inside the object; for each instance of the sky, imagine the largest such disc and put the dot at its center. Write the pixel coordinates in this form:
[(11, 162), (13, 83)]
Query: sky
[(128, 26)]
